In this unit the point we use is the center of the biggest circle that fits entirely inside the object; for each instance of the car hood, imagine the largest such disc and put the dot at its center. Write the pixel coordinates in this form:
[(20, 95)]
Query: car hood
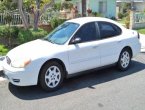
[(34, 49)]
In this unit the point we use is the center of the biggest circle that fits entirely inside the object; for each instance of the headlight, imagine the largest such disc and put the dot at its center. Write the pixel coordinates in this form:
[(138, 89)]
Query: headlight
[(21, 63)]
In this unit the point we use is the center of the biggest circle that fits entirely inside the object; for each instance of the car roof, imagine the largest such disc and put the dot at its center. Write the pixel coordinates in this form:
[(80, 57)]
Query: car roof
[(83, 20)]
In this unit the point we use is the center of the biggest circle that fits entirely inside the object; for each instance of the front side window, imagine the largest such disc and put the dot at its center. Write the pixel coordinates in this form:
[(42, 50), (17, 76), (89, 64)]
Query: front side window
[(108, 30), (62, 33), (87, 32)]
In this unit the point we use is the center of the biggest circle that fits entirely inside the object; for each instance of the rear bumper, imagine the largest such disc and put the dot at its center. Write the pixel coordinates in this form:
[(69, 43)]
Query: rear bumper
[(143, 49), (136, 49)]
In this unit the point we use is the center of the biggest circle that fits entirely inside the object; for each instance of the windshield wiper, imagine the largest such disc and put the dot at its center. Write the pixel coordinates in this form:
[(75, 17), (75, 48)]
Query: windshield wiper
[(48, 40)]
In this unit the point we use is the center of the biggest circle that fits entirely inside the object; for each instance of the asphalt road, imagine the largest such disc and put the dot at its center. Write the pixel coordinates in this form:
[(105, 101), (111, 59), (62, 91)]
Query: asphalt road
[(106, 89)]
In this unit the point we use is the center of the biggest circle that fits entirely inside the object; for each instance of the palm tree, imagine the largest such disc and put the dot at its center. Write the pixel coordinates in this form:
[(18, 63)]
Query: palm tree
[(83, 7)]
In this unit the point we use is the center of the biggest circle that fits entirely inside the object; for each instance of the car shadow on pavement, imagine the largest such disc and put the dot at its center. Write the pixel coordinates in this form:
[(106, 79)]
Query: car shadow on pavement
[(76, 83)]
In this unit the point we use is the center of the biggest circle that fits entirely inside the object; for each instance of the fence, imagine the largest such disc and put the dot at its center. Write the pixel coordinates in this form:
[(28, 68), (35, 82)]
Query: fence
[(16, 18), (137, 20), (48, 15), (44, 18), (139, 17)]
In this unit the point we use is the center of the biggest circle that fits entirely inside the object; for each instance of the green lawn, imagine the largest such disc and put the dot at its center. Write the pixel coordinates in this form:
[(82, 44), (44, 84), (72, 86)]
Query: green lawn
[(142, 31)]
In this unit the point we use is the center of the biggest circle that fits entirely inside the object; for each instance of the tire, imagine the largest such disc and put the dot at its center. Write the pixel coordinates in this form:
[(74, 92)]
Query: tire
[(124, 60), (51, 76)]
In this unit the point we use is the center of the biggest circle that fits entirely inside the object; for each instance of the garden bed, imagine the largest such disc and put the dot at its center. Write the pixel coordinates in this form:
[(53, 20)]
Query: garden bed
[(11, 37)]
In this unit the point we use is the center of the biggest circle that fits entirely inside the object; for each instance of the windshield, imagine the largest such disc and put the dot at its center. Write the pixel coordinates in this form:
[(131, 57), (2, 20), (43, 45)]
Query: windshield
[(62, 33)]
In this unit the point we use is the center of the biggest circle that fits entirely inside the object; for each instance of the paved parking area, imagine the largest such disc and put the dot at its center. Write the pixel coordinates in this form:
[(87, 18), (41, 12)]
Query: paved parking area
[(107, 89)]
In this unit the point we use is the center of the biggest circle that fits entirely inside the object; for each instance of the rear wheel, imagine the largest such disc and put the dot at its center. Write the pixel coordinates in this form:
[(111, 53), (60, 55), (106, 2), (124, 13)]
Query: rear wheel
[(124, 60), (51, 76)]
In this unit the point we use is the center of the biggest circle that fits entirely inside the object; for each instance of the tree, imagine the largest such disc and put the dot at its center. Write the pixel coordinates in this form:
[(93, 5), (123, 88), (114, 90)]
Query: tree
[(7, 5), (20, 6), (38, 7)]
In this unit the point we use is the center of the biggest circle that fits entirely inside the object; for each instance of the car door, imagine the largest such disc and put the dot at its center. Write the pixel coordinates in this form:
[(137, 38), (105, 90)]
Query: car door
[(110, 43), (85, 54)]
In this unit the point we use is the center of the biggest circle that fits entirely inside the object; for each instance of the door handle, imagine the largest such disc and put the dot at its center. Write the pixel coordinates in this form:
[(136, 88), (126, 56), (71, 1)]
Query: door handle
[(94, 47), (119, 41)]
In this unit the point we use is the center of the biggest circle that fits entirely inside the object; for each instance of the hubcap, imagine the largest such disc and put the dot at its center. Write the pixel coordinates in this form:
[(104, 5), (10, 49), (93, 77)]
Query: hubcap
[(125, 59), (52, 76)]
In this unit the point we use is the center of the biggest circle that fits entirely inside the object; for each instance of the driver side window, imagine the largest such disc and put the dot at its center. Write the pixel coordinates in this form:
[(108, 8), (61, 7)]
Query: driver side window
[(87, 32)]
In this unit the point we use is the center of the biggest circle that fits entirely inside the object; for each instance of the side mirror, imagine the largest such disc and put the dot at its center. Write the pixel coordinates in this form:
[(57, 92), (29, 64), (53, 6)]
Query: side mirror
[(75, 40)]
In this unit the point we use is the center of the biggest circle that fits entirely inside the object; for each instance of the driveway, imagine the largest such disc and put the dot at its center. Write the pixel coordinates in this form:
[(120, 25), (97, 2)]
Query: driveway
[(106, 89)]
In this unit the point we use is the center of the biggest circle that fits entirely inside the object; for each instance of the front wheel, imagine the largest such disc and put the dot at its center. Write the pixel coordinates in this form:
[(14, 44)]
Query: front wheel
[(124, 60), (51, 76)]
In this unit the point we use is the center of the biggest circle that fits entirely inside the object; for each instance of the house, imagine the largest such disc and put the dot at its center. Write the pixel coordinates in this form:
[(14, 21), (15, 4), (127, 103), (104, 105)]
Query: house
[(107, 8), (137, 5)]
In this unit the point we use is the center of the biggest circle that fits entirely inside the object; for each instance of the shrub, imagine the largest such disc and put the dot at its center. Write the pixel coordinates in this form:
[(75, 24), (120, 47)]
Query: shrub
[(14, 36), (10, 34), (66, 5), (30, 34), (113, 18), (57, 6), (96, 14), (6, 31), (56, 22), (3, 50), (120, 15), (8, 18)]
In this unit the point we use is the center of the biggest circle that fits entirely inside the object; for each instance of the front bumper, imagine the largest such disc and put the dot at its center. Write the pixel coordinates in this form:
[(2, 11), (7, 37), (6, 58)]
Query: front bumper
[(19, 76)]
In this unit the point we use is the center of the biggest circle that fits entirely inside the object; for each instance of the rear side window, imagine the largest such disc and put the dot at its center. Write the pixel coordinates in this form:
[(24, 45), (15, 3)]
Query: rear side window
[(108, 30)]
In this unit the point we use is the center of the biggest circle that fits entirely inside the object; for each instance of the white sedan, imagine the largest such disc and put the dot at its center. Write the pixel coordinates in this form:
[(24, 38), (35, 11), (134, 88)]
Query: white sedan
[(75, 46)]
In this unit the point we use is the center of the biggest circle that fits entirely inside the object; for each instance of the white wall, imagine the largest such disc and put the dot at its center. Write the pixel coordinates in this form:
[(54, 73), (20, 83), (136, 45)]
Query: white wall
[(140, 6)]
